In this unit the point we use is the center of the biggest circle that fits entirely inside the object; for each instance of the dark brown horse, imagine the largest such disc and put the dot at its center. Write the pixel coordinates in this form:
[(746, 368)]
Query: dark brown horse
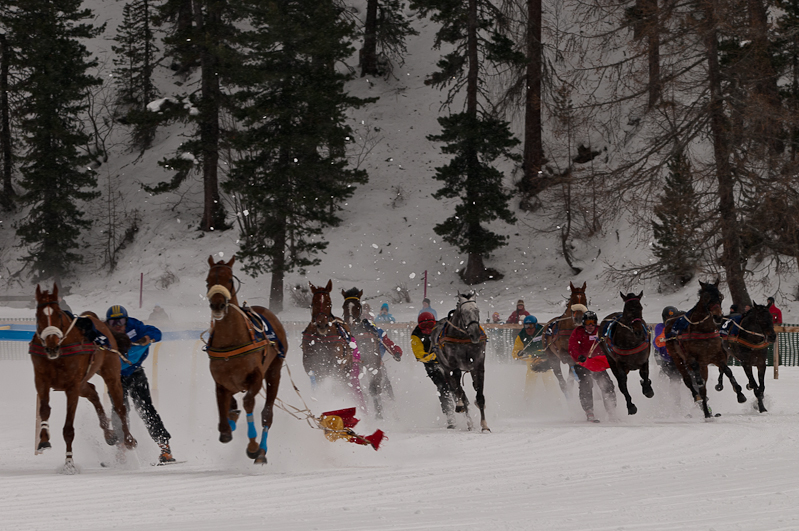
[(558, 330), (625, 339), (693, 342), (748, 342), (327, 352), (64, 359), (247, 346), (370, 346), (460, 344)]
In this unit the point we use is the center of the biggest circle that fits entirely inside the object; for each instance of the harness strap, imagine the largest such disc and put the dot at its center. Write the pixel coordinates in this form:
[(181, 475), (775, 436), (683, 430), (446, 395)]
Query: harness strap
[(629, 352), (236, 352), (747, 344), (73, 349)]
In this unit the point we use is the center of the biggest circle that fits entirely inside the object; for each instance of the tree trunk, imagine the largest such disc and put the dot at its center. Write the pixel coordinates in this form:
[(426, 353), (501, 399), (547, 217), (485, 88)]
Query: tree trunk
[(5, 127), (213, 213), (767, 100), (732, 259), (531, 182), (368, 55), (653, 38)]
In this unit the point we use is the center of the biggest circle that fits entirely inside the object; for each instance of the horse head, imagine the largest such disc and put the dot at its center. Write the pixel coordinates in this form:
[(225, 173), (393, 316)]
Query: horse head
[(467, 316), (710, 300), (321, 305), (633, 310), (50, 321), (352, 305), (758, 319), (578, 303), (219, 284)]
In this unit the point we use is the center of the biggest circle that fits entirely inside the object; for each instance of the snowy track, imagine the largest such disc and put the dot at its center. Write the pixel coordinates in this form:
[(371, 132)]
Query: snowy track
[(542, 467)]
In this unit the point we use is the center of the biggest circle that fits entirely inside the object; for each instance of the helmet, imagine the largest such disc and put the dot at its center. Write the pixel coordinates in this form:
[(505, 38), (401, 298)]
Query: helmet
[(116, 312), (669, 312), (530, 319), (426, 322), (590, 316)]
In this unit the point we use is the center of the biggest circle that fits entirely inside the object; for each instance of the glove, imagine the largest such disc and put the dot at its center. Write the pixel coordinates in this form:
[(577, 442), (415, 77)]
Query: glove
[(395, 351), (581, 358)]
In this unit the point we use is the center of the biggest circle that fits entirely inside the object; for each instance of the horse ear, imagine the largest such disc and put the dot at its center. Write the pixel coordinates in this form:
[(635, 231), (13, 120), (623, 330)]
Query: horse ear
[(360, 294), (329, 285), (640, 294), (623, 296), (211, 260), (571, 286), (584, 286), (343, 293), (313, 288), (232, 259), (716, 283), (38, 291), (55, 290)]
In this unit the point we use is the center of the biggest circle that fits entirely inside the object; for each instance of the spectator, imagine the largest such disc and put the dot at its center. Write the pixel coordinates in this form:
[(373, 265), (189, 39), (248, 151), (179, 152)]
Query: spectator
[(519, 314), (495, 318), (591, 366), (426, 308), (384, 317), (733, 310), (775, 312), (159, 315), (366, 311)]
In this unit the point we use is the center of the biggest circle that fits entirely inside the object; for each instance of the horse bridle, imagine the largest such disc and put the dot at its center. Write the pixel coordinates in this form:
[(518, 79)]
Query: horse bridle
[(219, 289), (51, 329)]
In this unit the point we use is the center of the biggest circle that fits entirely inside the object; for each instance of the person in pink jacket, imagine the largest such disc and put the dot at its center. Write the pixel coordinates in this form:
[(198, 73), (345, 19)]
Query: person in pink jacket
[(591, 366)]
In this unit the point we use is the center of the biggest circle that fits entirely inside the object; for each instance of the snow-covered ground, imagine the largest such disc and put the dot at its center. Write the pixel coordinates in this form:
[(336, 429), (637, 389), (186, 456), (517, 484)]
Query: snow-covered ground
[(541, 467)]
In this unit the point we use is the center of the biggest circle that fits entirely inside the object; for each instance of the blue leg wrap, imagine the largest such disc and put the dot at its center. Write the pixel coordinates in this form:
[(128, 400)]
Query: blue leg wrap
[(263, 437), (313, 379), (231, 424), (251, 433)]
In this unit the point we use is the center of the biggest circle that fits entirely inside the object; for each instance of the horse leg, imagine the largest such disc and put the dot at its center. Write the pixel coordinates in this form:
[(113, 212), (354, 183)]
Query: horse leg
[(621, 377), (44, 415), (735, 385), (760, 390), (223, 405), (272, 378), (461, 401), (478, 380), (375, 389), (90, 392), (233, 413), (646, 383), (697, 381), (720, 385), (73, 394), (113, 381), (554, 362), (253, 383)]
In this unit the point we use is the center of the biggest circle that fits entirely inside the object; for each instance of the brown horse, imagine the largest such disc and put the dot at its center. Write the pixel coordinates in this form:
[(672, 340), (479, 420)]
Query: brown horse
[(327, 352), (748, 341), (693, 342), (370, 346), (625, 339), (247, 346), (559, 329), (64, 359)]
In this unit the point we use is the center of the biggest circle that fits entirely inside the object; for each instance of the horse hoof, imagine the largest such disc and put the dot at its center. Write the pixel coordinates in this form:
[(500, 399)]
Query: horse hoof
[(632, 410), (225, 437), (253, 450), (130, 442), (43, 446), (260, 458), (111, 440), (741, 398), (460, 409), (719, 387), (748, 387)]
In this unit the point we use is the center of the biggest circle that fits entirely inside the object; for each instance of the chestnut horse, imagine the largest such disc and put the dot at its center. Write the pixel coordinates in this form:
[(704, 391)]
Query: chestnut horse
[(558, 330), (749, 344), (370, 345), (626, 342), (328, 351), (460, 346), (693, 342), (247, 346), (64, 359)]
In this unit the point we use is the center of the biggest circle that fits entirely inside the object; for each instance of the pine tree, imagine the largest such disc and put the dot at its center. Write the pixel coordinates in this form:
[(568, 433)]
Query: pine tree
[(51, 64), (135, 62), (293, 175), (676, 242), (385, 30), (475, 137)]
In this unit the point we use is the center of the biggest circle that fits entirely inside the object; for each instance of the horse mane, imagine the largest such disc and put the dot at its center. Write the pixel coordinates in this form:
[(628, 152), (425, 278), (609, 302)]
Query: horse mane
[(352, 292)]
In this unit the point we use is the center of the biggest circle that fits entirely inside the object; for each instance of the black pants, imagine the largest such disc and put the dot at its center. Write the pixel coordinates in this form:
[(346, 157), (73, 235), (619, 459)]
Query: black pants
[(137, 387), (602, 379), (435, 373)]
